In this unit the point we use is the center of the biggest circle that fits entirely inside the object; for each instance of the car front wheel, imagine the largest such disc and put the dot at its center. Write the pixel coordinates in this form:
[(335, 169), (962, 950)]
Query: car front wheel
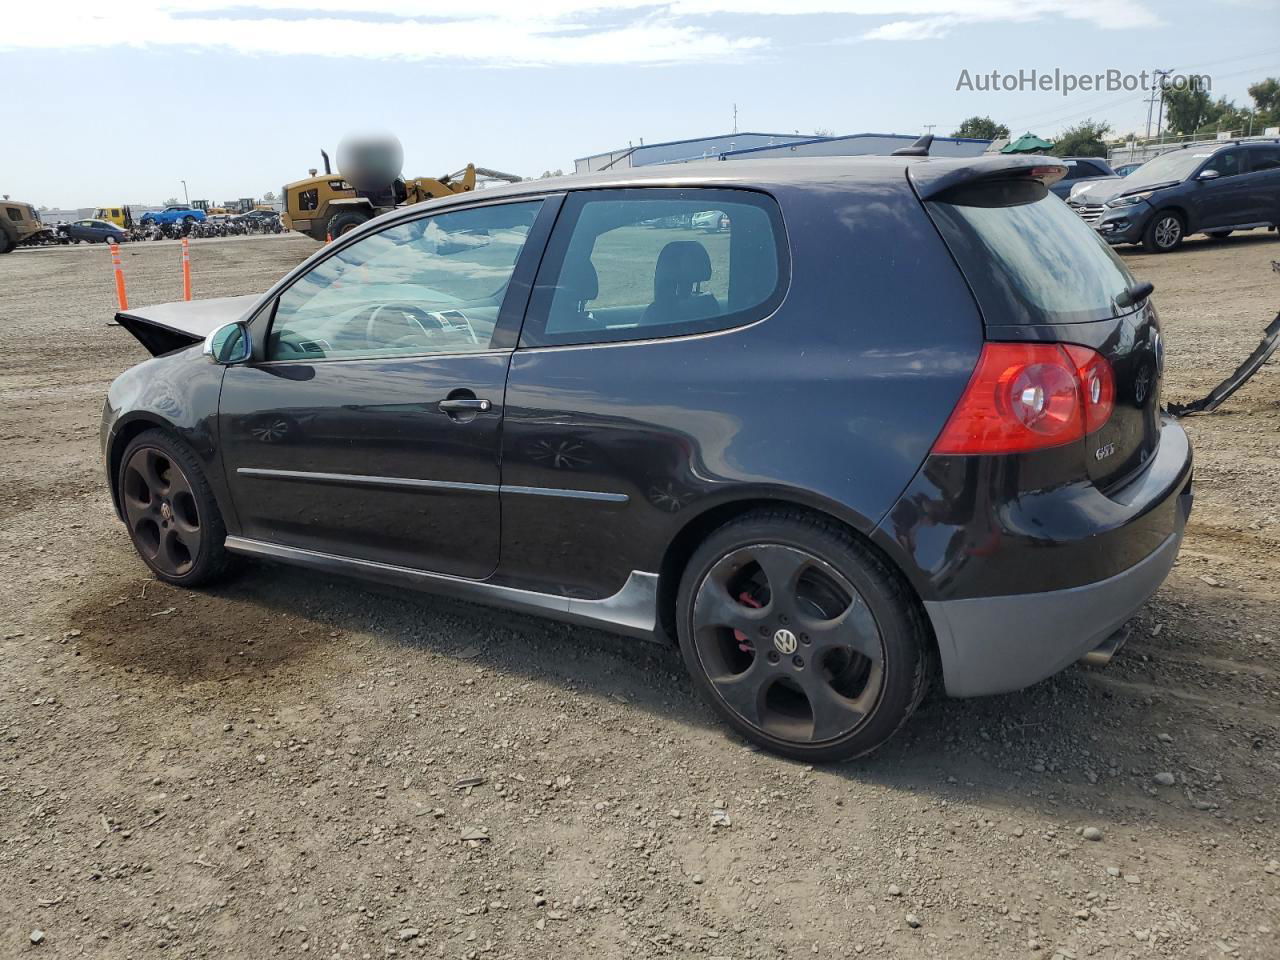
[(169, 508), (1164, 233), (801, 637)]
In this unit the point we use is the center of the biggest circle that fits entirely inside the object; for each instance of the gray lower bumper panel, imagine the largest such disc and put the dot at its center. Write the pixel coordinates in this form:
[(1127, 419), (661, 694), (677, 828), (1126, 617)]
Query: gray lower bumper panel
[(999, 644)]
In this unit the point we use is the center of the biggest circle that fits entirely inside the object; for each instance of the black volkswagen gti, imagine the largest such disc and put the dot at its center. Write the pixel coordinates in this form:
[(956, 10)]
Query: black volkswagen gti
[(901, 415)]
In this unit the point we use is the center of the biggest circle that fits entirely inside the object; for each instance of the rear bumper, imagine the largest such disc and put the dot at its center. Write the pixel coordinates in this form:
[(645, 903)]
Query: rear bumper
[(998, 644), (1018, 583)]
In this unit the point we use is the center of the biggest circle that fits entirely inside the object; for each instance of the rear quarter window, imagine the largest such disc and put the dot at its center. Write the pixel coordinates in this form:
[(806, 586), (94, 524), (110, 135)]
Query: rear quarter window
[(640, 264), (1028, 258)]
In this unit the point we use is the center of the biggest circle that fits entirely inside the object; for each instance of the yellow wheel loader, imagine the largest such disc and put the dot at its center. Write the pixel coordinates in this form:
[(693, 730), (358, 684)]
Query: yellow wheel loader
[(368, 183)]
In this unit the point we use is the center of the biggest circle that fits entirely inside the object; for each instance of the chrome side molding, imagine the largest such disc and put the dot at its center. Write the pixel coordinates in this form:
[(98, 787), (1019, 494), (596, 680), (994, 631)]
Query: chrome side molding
[(633, 610)]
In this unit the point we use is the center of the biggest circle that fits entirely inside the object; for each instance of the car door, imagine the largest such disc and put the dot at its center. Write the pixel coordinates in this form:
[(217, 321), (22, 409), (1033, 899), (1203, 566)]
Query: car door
[(617, 373), (1264, 183), (367, 424), (1222, 201)]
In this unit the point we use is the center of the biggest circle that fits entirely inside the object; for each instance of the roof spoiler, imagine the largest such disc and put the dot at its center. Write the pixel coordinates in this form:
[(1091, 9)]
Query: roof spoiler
[(934, 176), (918, 149)]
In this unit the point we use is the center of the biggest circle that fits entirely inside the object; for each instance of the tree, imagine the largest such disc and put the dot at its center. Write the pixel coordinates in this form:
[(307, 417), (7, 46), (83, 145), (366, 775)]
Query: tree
[(171, 202), (551, 173), (1187, 110), (824, 132), (1266, 102), (982, 128), (1082, 140), (269, 197)]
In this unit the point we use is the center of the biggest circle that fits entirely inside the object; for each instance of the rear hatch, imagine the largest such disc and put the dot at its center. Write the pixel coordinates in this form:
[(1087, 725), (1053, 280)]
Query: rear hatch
[(1041, 275)]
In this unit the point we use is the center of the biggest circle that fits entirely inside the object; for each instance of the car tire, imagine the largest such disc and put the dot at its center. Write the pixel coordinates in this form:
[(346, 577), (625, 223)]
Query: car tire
[(826, 667), (1164, 233), (1218, 234), (170, 510), (344, 222), (188, 219), (6, 243)]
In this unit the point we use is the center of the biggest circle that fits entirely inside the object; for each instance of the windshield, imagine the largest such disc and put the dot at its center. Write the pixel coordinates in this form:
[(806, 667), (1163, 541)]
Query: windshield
[(1031, 262), (1176, 166)]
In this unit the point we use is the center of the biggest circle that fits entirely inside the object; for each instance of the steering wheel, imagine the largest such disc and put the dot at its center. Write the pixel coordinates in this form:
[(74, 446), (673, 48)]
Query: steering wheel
[(414, 318)]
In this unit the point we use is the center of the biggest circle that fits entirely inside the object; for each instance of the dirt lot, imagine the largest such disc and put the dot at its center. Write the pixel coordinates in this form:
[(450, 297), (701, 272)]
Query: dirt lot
[(277, 766)]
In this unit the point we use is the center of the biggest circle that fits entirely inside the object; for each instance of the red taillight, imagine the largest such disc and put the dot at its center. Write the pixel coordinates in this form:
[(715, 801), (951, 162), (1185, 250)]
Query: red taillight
[(1029, 396), (1098, 384)]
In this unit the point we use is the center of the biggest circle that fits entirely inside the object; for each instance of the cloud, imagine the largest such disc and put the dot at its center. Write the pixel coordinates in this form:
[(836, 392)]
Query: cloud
[(507, 32)]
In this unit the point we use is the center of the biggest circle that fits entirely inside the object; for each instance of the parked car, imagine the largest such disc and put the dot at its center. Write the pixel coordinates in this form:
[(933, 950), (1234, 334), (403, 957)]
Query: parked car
[(173, 214), (1081, 170), (1124, 169), (712, 221), (255, 216), (920, 425), (1212, 188), (94, 231)]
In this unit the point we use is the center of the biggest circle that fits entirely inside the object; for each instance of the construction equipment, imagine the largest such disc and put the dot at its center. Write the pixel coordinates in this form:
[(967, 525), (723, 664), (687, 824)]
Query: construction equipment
[(18, 222), (119, 214), (368, 183)]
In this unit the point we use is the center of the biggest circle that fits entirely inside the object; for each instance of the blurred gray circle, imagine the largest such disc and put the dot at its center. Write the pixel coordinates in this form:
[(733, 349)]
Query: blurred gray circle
[(370, 162)]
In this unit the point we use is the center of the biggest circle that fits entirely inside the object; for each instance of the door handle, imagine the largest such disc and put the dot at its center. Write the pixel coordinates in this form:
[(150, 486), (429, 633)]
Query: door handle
[(465, 405)]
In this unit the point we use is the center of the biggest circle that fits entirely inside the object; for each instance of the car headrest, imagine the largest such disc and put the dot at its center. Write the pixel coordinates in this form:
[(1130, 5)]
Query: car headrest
[(578, 280), (681, 264)]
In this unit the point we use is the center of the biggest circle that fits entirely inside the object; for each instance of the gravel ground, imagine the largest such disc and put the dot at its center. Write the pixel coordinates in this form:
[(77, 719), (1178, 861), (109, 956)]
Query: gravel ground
[(290, 765)]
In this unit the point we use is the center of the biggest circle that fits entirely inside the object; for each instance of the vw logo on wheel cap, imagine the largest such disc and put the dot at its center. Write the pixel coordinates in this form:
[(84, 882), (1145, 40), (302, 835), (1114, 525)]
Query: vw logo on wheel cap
[(785, 641)]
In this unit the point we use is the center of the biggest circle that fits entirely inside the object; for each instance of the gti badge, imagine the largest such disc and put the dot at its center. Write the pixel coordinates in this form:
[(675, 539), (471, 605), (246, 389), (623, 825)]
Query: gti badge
[(1104, 451), (785, 641)]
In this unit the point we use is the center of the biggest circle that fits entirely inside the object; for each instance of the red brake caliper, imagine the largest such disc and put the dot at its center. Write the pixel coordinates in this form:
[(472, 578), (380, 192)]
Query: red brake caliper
[(744, 642)]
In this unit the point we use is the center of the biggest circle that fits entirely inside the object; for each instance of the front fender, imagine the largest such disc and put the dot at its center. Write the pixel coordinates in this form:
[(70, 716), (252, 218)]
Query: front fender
[(177, 392)]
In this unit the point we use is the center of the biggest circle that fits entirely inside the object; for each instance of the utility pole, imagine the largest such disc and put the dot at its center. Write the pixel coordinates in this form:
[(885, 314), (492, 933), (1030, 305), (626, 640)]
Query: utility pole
[(735, 118), (186, 198), (1161, 74), (1157, 94), (928, 127)]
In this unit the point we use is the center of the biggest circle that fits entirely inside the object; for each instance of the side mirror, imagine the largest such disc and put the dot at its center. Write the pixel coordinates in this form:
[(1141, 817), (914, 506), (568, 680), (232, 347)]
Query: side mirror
[(1208, 175), (229, 343)]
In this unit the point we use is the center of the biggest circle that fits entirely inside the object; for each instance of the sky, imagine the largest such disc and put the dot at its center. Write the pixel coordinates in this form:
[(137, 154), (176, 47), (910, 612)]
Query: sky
[(119, 101)]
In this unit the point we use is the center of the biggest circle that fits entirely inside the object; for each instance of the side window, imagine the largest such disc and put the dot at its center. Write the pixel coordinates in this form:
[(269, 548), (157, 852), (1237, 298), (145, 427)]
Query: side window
[(308, 199), (1264, 158), (1227, 163), (644, 263), (432, 285)]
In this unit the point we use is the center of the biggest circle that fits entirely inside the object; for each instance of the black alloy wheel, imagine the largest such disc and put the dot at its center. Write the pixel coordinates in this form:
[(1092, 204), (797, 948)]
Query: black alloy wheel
[(169, 509), (801, 637)]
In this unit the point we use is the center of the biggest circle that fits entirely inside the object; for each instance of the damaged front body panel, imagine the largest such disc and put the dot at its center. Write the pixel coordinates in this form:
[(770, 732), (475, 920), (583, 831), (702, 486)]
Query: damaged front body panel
[(171, 326)]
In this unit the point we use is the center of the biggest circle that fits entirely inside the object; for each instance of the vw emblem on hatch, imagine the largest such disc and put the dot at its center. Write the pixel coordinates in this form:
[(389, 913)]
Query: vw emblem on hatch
[(785, 641)]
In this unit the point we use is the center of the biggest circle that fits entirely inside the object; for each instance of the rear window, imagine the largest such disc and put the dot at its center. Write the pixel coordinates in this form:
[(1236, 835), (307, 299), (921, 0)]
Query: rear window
[(1028, 257)]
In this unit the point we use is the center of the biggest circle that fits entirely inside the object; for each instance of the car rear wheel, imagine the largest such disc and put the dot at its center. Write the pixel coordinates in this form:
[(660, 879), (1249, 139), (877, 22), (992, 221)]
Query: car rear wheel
[(1164, 233), (169, 508), (801, 637)]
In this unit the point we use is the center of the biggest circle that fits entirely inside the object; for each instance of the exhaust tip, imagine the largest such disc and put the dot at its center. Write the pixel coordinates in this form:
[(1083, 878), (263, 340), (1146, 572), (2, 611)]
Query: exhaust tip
[(1101, 655)]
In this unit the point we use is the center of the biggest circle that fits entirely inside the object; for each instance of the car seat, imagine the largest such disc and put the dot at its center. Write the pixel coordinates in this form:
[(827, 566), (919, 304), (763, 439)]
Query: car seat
[(682, 267)]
